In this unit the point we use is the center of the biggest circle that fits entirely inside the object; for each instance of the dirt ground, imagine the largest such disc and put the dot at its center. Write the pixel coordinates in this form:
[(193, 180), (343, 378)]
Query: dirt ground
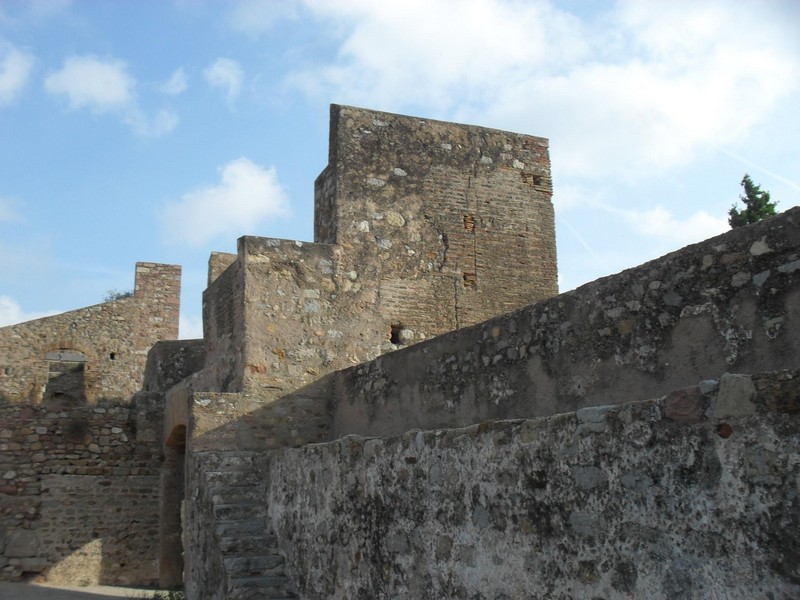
[(29, 591)]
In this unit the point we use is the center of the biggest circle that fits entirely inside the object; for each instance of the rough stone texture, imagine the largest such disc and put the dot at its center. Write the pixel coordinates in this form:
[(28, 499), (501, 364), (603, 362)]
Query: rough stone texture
[(669, 323), (109, 340), (644, 507), (79, 492), (422, 227), (419, 227)]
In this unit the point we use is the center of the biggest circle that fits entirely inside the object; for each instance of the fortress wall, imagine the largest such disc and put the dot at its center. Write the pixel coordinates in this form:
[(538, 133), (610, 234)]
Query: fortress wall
[(110, 340), (218, 262), (692, 495), (223, 329), (405, 252), (79, 492), (441, 217), (169, 362), (731, 302), (291, 313)]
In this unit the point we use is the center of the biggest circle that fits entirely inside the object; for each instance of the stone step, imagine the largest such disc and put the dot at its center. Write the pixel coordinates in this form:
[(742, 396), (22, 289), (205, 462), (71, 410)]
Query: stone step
[(240, 545), (239, 488), (268, 586), (227, 478), (248, 566), (231, 512), (239, 496), (253, 526)]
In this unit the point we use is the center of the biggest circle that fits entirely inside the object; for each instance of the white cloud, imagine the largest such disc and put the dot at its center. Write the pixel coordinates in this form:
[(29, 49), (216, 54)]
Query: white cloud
[(643, 87), (659, 222), (162, 123), (90, 82), (246, 195), (255, 17), (11, 312), (176, 84), (103, 85), (226, 74), (15, 69), (660, 225), (190, 327)]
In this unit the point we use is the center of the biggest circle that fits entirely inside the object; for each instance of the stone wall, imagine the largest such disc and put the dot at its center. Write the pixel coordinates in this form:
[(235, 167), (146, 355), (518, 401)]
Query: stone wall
[(731, 302), (692, 495), (421, 227), (92, 354), (443, 219), (79, 492)]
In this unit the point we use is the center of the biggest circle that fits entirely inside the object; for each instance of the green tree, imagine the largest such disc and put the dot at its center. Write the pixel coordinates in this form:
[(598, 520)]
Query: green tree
[(756, 205), (112, 295)]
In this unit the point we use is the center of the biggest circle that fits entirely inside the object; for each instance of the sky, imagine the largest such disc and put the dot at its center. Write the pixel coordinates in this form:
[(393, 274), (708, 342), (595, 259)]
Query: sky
[(163, 130)]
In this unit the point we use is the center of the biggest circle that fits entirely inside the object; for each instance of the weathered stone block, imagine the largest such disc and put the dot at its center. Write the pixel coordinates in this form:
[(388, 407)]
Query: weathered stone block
[(735, 397)]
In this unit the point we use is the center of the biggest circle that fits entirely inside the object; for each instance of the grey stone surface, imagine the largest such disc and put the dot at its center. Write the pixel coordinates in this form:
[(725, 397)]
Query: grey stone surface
[(688, 514), (735, 397)]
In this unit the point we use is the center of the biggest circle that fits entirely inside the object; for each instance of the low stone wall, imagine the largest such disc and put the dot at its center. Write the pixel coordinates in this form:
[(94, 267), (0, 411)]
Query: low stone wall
[(729, 303), (691, 495), (79, 492)]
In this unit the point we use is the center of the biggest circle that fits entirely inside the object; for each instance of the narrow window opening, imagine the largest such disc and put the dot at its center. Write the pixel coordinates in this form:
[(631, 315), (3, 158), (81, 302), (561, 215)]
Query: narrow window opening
[(113, 356), (394, 336)]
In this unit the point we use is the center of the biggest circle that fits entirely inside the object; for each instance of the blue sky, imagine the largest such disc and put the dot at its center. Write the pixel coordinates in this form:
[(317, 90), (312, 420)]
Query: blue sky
[(160, 131)]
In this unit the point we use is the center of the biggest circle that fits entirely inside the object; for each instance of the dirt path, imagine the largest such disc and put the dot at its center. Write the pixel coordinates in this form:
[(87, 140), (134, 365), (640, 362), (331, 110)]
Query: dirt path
[(25, 591)]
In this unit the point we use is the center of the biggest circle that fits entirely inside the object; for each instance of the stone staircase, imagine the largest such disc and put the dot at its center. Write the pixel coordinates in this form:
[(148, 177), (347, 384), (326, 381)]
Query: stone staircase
[(252, 565)]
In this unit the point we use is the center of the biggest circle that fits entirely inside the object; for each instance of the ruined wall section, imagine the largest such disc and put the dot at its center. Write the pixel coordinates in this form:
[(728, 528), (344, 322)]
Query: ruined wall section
[(692, 495), (223, 330), (442, 219), (93, 353), (218, 262), (79, 492), (730, 302)]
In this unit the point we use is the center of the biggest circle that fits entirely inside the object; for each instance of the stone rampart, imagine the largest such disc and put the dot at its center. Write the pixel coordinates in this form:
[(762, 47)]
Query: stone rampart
[(79, 492), (731, 302), (418, 226), (692, 495), (92, 354)]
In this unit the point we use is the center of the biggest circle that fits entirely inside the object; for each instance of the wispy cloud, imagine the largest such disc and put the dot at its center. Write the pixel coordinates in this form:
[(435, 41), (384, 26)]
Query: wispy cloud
[(655, 83), (15, 70), (190, 327), (12, 313), (104, 85), (246, 195), (227, 75), (256, 17), (176, 84)]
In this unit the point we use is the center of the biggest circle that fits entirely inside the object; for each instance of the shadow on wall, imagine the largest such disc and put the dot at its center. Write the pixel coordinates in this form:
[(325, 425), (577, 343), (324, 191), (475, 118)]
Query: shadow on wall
[(79, 497), (729, 304)]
